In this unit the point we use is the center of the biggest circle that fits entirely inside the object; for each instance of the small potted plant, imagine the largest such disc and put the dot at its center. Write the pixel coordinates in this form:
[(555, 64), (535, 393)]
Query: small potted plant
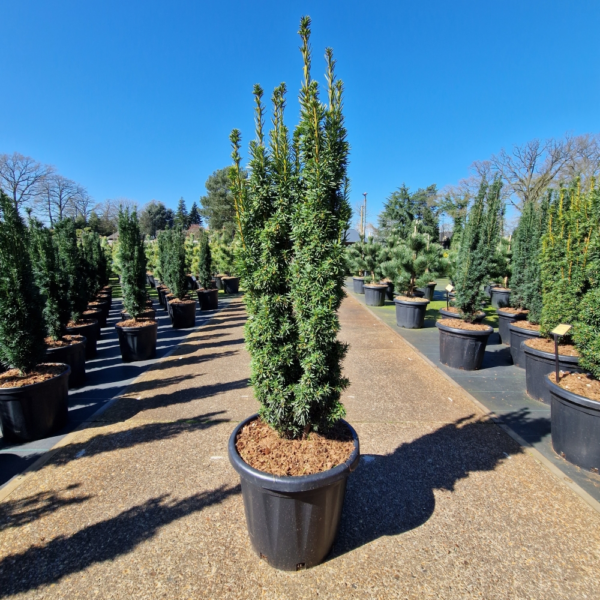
[(374, 254), (355, 254), (292, 213), (137, 336), (207, 298), (500, 270), (33, 394), (463, 341), (53, 284), (413, 263)]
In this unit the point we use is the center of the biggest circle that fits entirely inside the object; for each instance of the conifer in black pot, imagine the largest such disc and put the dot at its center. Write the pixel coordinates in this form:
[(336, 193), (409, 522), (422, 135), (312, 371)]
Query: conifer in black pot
[(137, 336), (463, 341), (292, 214), (207, 297), (53, 284), (182, 308), (33, 394)]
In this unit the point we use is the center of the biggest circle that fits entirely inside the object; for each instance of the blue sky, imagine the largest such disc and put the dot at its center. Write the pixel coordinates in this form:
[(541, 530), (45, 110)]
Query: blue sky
[(136, 99)]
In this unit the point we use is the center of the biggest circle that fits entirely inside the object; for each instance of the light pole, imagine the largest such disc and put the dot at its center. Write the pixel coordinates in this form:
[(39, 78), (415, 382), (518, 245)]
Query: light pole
[(364, 215)]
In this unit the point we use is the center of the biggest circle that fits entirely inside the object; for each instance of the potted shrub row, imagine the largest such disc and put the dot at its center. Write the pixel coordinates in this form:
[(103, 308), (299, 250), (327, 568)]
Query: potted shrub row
[(208, 298), (291, 229)]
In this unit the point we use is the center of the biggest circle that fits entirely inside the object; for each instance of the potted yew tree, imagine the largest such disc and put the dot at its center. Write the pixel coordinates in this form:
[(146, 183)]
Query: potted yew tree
[(33, 393), (207, 298), (137, 335), (294, 457), (374, 255), (53, 284), (355, 255), (413, 263), (463, 341)]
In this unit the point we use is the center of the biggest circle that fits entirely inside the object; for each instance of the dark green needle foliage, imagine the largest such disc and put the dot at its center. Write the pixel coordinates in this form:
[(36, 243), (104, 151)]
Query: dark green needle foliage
[(173, 261), (292, 213), (71, 264), (51, 279), (355, 255), (133, 264), (21, 322), (374, 254), (566, 255), (205, 262), (95, 263), (413, 262), (480, 238)]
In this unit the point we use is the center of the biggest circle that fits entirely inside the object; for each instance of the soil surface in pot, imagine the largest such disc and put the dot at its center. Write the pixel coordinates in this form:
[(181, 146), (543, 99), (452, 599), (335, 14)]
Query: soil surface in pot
[(512, 311), (132, 323), (66, 340), (185, 301), (526, 325), (455, 310), (261, 447), (547, 345), (459, 324), (580, 384), (12, 377), (411, 299), (80, 323)]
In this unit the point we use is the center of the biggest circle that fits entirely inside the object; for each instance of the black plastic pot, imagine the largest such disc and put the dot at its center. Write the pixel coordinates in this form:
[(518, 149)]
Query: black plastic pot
[(161, 297), (410, 315), (487, 289), (219, 281), (575, 422), (538, 364), (149, 313), (428, 290), (452, 315), (137, 343), (34, 411), (89, 332), (500, 299), (72, 355), (517, 336), (375, 294), (389, 293), (462, 348), (208, 299), (231, 285), (358, 285), (183, 314), (96, 315), (152, 281), (190, 282), (100, 312), (292, 521), (504, 320)]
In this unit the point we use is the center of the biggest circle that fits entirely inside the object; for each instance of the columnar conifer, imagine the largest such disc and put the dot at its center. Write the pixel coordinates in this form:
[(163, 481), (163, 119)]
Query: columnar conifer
[(133, 261), (205, 262)]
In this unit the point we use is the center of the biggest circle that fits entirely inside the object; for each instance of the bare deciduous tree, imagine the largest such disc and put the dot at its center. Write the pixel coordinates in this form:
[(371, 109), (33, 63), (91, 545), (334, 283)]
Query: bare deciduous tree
[(56, 197), (21, 177)]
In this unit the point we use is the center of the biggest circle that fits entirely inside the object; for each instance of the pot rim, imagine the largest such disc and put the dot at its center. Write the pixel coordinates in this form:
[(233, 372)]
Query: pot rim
[(466, 332), (294, 483), (457, 316), (570, 396), (66, 373), (205, 291), (502, 313), (376, 286), (359, 277), (416, 301), (564, 358), (92, 324), (136, 328), (528, 332), (229, 277), (83, 341)]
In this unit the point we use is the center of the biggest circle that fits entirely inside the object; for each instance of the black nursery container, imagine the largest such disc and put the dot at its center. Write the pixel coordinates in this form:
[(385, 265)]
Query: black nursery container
[(575, 422), (74, 356), (375, 294), (517, 337), (389, 293), (149, 314), (504, 320), (33, 412), (183, 314), (208, 299), (137, 343), (428, 290), (487, 289), (462, 348), (231, 285), (90, 333), (500, 297), (410, 315), (292, 521), (447, 314), (358, 285), (219, 281), (538, 365)]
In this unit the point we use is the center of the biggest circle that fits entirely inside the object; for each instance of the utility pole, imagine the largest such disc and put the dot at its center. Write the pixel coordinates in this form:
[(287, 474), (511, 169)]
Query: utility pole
[(364, 215)]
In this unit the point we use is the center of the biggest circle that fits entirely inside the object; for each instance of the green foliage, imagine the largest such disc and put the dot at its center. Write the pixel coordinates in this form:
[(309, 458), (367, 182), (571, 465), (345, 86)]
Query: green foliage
[(21, 322), (587, 332), (480, 238), (500, 268), (171, 249), (355, 258), (94, 263), (413, 262), (154, 218), (181, 215), (133, 264), (204, 263), (566, 255), (194, 216), (218, 204), (71, 264), (51, 279), (151, 249), (374, 254), (191, 244), (402, 208), (292, 215), (224, 257)]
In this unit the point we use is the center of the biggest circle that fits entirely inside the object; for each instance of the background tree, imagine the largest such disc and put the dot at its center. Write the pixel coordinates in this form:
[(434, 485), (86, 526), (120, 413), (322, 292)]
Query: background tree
[(155, 217), (133, 264), (181, 216), (22, 328), (217, 204), (108, 214), (224, 254), (194, 216)]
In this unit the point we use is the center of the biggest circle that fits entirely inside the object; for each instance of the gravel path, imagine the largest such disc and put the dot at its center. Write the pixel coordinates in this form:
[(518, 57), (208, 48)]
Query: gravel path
[(144, 504)]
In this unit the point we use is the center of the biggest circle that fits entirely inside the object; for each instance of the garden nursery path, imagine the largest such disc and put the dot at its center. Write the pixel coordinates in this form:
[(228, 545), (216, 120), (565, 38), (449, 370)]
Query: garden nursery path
[(144, 504)]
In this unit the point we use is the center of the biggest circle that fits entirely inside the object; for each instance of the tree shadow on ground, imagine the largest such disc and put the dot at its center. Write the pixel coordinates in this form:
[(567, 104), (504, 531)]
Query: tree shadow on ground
[(22, 511), (104, 541), (392, 494)]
